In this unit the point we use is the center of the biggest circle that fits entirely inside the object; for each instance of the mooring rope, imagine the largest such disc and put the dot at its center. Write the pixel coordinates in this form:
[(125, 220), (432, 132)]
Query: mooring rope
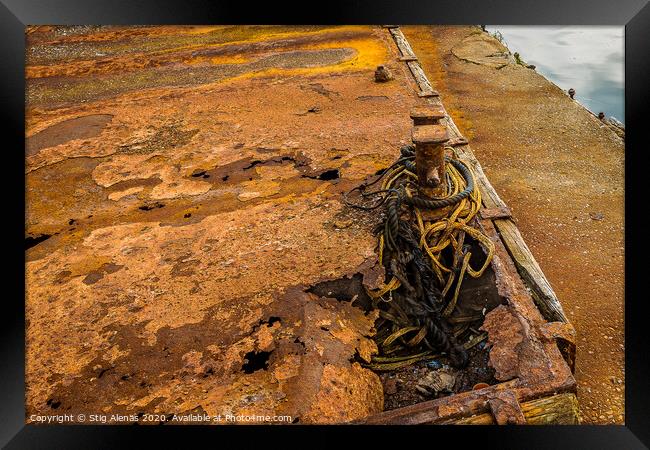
[(417, 299)]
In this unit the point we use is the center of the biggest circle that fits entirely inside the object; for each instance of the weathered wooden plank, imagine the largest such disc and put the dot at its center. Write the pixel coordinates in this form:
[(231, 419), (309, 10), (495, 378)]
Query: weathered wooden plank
[(402, 44), (454, 129), (420, 78), (530, 271), (559, 409), (412, 61)]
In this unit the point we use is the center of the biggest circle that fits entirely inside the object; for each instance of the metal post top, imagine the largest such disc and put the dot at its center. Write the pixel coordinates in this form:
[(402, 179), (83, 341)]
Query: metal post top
[(429, 134), (428, 112)]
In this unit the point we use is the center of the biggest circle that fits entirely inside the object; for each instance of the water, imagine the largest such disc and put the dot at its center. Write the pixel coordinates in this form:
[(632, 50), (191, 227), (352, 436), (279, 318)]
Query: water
[(589, 59)]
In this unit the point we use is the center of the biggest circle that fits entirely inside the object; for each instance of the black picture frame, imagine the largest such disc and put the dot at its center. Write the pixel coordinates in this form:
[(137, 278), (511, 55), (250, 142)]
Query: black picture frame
[(16, 14)]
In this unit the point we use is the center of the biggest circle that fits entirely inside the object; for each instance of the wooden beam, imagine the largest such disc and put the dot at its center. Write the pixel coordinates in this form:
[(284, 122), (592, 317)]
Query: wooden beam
[(426, 90), (559, 409), (530, 272), (402, 44), (420, 77)]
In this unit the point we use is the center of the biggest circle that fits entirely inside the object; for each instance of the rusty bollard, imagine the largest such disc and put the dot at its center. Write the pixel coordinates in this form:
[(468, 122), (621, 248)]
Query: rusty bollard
[(429, 143), (427, 115)]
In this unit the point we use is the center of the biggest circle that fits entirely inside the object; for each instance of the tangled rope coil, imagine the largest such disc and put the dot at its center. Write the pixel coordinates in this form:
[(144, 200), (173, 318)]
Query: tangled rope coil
[(417, 299)]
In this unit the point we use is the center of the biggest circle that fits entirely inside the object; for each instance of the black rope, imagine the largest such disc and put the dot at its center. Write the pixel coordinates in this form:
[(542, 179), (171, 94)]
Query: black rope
[(429, 203), (418, 300)]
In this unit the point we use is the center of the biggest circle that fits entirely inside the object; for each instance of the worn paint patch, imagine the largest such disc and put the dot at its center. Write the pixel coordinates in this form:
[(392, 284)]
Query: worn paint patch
[(83, 127)]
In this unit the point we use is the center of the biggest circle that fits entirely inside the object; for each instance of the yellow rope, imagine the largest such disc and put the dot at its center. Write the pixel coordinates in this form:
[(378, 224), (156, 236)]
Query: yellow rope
[(393, 284), (435, 237)]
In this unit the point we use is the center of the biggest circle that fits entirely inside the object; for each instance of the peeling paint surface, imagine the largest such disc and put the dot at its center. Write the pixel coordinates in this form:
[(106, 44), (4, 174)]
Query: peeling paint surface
[(183, 186)]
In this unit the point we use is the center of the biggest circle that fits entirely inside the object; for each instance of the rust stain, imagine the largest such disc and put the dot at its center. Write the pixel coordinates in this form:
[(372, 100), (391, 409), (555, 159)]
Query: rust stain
[(505, 335), (218, 202)]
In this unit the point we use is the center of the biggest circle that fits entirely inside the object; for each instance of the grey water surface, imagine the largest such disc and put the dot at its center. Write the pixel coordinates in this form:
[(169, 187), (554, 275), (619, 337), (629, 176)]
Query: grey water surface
[(589, 59)]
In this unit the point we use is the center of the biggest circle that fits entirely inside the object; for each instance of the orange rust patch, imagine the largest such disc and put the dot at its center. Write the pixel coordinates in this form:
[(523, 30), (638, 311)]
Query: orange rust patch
[(187, 323)]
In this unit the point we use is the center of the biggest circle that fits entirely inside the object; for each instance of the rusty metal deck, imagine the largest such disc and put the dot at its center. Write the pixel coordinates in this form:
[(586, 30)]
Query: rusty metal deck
[(179, 213)]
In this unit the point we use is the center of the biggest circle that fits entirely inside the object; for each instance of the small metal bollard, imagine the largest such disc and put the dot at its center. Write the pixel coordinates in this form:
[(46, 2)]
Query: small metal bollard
[(427, 115), (429, 143)]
